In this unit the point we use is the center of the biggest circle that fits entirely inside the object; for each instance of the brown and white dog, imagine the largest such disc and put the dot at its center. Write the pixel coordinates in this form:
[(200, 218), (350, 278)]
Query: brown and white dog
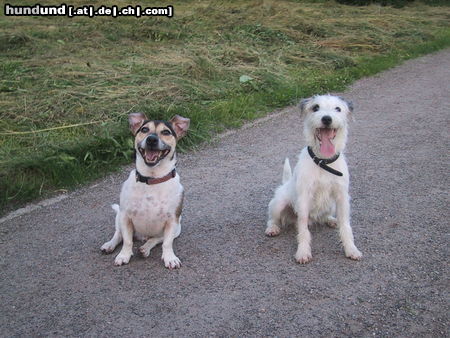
[(152, 197)]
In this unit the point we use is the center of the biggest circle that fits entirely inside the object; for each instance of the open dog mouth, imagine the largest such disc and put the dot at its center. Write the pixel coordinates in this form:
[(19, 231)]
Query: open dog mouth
[(325, 137), (153, 156)]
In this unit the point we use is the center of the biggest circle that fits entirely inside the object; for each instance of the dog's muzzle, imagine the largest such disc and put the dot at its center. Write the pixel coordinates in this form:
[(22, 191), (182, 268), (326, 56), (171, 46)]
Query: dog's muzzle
[(153, 150)]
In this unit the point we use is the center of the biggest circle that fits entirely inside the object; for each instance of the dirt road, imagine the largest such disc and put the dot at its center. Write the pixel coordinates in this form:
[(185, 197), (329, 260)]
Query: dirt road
[(234, 280)]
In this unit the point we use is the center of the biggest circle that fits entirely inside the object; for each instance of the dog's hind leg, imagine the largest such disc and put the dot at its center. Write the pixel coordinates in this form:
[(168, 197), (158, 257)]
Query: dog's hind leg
[(276, 207), (109, 247), (150, 244), (331, 221), (345, 230)]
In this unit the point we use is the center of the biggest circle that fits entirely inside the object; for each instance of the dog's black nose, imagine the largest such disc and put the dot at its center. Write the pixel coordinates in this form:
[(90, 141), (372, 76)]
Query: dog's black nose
[(326, 120), (152, 140)]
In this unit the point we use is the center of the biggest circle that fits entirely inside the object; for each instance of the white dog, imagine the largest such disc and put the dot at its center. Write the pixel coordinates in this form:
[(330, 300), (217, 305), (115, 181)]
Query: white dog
[(318, 187), (152, 197)]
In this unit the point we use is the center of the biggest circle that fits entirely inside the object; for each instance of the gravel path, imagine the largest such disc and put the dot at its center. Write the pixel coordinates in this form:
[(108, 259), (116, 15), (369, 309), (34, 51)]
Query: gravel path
[(234, 280)]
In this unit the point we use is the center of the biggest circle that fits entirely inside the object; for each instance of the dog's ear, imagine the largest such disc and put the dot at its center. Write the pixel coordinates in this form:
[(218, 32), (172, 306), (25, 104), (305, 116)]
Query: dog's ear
[(350, 108), (135, 120), (302, 105), (349, 104), (180, 124)]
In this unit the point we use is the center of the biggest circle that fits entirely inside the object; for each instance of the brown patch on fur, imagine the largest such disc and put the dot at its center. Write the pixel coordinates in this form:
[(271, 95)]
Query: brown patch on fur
[(179, 207)]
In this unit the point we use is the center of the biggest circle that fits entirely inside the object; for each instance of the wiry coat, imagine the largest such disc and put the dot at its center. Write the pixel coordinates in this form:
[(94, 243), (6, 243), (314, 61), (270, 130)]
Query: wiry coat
[(311, 194)]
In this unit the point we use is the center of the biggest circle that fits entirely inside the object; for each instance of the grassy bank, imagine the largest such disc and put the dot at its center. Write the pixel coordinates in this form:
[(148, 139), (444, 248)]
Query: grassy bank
[(66, 85)]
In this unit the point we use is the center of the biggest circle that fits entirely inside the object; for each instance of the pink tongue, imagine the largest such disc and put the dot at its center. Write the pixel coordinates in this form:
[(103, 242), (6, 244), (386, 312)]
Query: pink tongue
[(327, 148), (151, 155)]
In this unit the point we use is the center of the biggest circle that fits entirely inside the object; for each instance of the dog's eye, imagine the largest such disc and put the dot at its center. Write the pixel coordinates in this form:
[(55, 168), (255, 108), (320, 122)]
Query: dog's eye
[(337, 109), (166, 132), (144, 130), (315, 107)]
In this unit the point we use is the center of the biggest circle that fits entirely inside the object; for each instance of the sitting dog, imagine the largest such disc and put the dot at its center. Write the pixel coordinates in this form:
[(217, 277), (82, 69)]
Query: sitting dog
[(152, 197), (318, 187)]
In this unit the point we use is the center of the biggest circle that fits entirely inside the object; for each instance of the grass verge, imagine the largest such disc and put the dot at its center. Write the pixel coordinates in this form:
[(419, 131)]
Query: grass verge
[(66, 85)]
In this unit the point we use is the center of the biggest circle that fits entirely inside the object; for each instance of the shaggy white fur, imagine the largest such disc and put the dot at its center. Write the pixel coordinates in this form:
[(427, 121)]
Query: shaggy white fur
[(311, 194)]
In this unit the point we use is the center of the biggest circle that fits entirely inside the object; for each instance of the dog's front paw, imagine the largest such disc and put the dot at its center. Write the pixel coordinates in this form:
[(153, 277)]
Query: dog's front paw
[(122, 259), (303, 256), (353, 253), (272, 230), (108, 247), (172, 262)]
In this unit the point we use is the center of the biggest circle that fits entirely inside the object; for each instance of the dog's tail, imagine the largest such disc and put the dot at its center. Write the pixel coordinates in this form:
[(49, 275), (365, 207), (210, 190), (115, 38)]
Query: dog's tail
[(115, 207), (287, 172)]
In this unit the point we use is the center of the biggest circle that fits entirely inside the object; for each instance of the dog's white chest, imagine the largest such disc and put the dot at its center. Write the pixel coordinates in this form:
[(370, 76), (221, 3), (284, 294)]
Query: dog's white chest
[(149, 207), (322, 194)]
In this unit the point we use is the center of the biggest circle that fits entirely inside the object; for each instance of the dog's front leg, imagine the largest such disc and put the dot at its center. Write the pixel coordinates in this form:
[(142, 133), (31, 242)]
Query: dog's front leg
[(303, 254), (345, 230), (126, 252), (170, 232)]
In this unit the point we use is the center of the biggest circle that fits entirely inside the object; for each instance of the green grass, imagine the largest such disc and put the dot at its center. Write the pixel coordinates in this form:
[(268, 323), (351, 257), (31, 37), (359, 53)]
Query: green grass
[(67, 85)]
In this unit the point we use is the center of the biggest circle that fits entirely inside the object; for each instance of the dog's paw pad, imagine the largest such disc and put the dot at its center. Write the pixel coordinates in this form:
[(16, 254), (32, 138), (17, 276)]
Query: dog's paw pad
[(121, 260), (303, 257), (354, 254), (144, 251), (107, 248), (331, 222), (272, 230), (172, 262)]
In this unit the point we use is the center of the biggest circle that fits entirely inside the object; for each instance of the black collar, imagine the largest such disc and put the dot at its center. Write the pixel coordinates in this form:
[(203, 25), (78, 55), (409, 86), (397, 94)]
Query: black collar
[(322, 162), (153, 180)]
